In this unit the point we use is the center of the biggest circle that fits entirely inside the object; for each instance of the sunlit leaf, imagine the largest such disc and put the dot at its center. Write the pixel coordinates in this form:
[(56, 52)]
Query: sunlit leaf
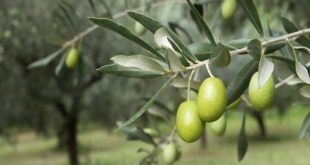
[(127, 71), (305, 91), (161, 38), (137, 133), (141, 62), (265, 70), (175, 64), (250, 10), (302, 72), (294, 81)]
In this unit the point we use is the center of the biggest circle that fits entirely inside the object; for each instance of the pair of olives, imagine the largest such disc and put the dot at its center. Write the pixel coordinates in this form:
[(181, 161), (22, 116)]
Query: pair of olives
[(211, 104), (208, 107)]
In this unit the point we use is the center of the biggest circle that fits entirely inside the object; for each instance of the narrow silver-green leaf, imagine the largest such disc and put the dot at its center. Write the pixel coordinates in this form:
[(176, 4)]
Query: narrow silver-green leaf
[(119, 70), (302, 72), (251, 11), (121, 30), (181, 32), (137, 133), (242, 141), (175, 64), (294, 81), (290, 27), (255, 49), (153, 25), (183, 83), (304, 132), (202, 24), (265, 70), (46, 60), (145, 107), (141, 62), (149, 23), (161, 38), (305, 91), (220, 57)]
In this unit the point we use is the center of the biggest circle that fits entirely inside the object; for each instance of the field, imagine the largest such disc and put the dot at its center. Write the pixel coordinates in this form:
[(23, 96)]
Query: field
[(100, 147)]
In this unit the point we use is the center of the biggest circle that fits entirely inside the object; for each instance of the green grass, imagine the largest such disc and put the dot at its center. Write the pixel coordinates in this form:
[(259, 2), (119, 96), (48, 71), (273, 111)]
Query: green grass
[(100, 147)]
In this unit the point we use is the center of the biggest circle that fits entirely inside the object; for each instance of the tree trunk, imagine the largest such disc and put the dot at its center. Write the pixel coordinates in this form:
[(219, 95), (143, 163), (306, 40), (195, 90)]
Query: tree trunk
[(72, 131), (72, 145)]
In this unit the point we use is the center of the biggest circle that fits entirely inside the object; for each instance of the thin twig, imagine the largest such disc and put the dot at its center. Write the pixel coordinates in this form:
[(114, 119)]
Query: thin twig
[(116, 16), (265, 44)]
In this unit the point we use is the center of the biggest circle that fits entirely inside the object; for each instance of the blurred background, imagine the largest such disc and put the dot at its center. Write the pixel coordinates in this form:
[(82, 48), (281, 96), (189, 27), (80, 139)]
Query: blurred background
[(50, 119)]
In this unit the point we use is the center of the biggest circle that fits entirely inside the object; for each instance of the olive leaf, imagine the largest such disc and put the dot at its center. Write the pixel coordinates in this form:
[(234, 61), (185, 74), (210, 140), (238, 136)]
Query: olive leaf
[(183, 83), (181, 32), (301, 70), (290, 27), (255, 48), (141, 62), (161, 38), (137, 133), (127, 71), (60, 65), (149, 23), (265, 70), (240, 82), (46, 60), (250, 10), (294, 81), (146, 106), (201, 23), (121, 30), (220, 57), (175, 64), (305, 91), (242, 141)]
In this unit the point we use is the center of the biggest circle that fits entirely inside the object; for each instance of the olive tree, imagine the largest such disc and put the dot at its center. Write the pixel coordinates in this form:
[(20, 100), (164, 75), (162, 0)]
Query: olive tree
[(180, 59)]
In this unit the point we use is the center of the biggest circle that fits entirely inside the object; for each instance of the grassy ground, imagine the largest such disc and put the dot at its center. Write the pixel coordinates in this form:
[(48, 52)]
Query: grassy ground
[(99, 147)]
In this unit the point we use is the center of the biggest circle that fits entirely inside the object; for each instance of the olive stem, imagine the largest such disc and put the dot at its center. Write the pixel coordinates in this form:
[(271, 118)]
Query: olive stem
[(189, 84), (265, 44), (209, 70), (281, 83), (246, 100), (172, 134)]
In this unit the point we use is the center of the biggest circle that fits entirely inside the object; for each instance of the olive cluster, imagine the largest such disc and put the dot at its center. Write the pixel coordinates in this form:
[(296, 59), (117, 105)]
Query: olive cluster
[(211, 104)]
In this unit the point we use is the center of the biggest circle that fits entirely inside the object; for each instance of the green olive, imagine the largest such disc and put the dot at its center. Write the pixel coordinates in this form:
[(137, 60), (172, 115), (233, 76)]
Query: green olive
[(228, 9), (189, 125), (261, 97), (170, 153), (72, 58), (139, 28), (218, 127), (211, 99)]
